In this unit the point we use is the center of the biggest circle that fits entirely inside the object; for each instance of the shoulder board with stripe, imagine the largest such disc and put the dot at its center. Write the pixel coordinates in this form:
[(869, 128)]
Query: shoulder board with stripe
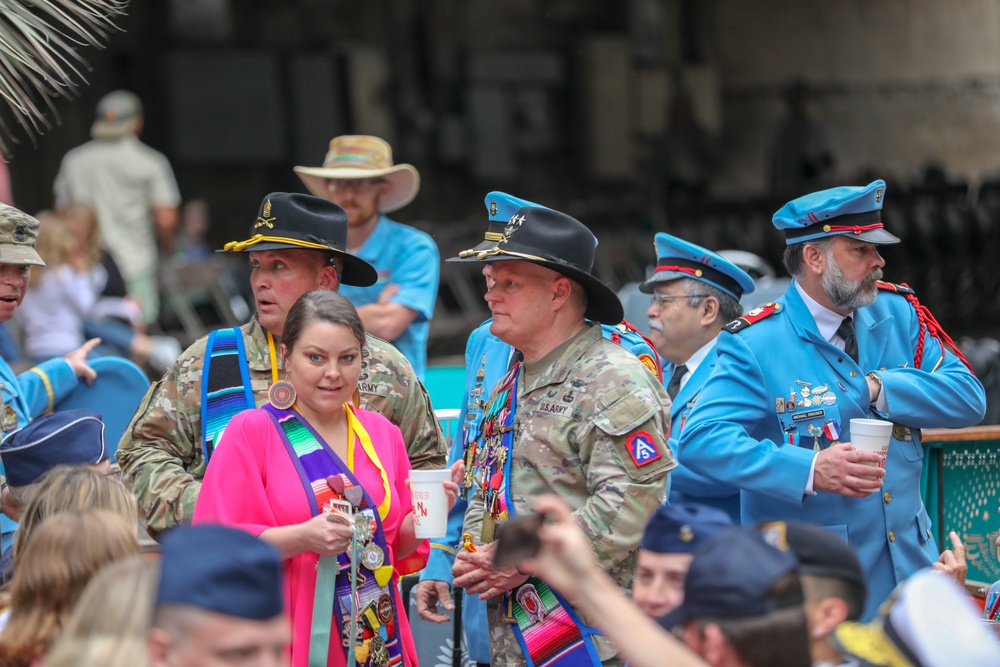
[(903, 289), (754, 316)]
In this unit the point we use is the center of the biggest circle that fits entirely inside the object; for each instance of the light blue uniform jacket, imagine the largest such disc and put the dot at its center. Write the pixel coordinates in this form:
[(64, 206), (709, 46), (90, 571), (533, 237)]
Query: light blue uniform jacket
[(687, 486), (736, 433), (27, 395)]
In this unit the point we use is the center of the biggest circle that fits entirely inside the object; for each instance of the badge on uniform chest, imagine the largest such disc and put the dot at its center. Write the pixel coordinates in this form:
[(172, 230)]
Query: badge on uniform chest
[(803, 413)]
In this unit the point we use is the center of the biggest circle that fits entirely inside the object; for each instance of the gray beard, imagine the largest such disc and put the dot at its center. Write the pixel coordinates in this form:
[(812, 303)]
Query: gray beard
[(845, 293)]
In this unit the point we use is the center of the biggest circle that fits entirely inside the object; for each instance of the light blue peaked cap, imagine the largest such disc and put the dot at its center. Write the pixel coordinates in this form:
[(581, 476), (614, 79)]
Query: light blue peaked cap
[(853, 211), (677, 258)]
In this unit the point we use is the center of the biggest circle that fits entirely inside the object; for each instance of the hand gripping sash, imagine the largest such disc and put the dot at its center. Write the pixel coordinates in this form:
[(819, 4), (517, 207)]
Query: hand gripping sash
[(225, 385), (370, 600), (549, 631)]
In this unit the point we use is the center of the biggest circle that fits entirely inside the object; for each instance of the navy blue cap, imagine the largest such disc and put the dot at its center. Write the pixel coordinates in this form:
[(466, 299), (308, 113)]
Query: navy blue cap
[(679, 529), (64, 437), (220, 569), (730, 576), (852, 211), (500, 207), (677, 258)]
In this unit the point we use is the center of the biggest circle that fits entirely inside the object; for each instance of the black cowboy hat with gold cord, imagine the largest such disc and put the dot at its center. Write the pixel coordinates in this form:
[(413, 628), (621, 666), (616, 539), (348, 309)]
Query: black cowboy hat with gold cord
[(561, 243), (294, 221)]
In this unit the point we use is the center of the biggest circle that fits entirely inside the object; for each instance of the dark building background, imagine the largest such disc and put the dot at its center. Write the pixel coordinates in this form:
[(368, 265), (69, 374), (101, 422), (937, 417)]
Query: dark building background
[(568, 103)]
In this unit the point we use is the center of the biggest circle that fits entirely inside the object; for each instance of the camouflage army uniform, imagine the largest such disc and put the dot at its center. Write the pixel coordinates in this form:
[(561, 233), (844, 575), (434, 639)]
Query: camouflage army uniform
[(161, 451), (571, 433)]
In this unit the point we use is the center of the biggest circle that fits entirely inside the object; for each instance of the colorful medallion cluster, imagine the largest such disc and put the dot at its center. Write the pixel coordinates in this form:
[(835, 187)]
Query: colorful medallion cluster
[(488, 455), (363, 592)]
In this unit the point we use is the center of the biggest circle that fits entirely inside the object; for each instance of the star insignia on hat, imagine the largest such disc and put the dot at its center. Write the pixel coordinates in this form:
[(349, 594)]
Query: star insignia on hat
[(512, 226), (685, 534), (265, 219)]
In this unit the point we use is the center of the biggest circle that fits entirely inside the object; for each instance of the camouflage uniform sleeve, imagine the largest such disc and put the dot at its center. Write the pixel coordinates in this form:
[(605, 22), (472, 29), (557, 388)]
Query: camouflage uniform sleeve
[(160, 453), (426, 445), (407, 405), (628, 459)]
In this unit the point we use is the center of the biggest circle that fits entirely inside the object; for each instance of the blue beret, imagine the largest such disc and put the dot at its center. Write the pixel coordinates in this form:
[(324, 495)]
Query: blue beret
[(845, 211), (730, 577), (220, 569), (64, 437), (680, 528), (500, 208), (677, 258)]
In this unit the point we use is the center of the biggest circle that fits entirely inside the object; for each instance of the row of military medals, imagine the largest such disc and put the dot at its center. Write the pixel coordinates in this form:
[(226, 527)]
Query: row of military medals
[(489, 454), (362, 550), (807, 396), (484, 447)]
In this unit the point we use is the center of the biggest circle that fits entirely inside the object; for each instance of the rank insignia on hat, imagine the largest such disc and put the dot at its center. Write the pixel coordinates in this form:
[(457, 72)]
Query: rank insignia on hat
[(21, 232), (265, 219), (512, 226), (642, 448), (685, 534), (775, 533)]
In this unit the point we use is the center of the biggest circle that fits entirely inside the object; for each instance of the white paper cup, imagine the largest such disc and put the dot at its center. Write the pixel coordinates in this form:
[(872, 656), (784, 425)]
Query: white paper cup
[(871, 435), (430, 502)]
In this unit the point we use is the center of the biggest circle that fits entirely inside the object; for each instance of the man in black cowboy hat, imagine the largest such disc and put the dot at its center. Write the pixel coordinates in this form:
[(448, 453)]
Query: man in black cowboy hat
[(579, 417), (297, 244)]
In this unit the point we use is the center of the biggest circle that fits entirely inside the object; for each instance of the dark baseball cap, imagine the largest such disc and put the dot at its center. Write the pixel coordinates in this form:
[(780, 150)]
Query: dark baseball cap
[(730, 577)]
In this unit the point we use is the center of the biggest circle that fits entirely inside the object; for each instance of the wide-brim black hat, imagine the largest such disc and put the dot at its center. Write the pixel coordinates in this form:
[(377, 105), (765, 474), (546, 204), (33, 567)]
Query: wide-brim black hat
[(294, 221), (561, 243)]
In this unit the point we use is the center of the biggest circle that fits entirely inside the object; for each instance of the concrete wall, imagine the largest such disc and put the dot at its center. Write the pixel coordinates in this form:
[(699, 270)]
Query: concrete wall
[(898, 82)]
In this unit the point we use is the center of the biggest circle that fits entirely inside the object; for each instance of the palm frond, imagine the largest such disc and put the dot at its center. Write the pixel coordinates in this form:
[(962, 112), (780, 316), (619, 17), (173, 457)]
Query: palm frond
[(39, 58)]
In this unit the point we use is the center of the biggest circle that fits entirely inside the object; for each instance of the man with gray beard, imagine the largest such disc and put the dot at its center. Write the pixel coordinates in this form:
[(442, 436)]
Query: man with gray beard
[(775, 417)]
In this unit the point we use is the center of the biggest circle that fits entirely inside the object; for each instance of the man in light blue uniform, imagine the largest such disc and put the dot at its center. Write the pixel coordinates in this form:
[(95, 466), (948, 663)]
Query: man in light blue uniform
[(358, 174), (775, 416), (695, 292), (38, 389), (487, 359)]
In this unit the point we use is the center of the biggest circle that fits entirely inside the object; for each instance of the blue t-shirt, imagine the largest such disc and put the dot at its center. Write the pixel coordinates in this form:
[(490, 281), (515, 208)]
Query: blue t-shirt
[(409, 258)]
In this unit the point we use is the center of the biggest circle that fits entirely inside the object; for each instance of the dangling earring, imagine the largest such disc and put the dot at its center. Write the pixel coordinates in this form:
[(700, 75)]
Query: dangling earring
[(281, 395), (356, 398)]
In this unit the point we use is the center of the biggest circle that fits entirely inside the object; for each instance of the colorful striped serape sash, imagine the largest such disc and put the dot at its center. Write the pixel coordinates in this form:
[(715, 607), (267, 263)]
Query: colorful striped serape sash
[(326, 478), (225, 385)]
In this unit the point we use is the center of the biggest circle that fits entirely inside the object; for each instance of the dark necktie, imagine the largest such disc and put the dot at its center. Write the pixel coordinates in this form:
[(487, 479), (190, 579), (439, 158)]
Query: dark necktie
[(846, 331), (674, 385)]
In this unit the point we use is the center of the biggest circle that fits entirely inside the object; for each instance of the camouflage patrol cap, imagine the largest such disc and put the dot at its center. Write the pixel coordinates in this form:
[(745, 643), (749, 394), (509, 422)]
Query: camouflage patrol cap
[(18, 233)]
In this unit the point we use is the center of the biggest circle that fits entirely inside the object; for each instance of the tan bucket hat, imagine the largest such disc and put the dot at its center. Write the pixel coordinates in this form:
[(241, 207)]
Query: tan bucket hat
[(354, 157), (18, 233)]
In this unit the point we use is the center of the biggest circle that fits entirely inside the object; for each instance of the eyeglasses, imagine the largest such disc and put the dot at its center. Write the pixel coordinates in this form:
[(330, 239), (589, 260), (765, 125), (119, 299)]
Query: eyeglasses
[(658, 299), (359, 184)]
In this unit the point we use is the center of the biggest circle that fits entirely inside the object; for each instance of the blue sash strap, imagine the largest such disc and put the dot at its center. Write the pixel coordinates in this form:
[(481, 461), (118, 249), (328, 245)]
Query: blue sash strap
[(225, 385)]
